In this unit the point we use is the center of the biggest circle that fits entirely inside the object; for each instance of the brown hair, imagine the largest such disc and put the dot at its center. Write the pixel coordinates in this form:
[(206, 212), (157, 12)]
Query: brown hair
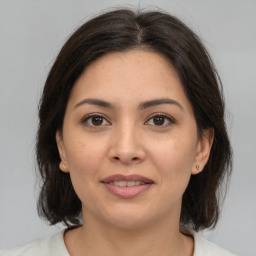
[(122, 30)]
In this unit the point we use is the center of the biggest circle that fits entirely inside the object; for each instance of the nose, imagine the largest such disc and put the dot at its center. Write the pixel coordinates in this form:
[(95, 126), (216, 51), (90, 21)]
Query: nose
[(127, 146)]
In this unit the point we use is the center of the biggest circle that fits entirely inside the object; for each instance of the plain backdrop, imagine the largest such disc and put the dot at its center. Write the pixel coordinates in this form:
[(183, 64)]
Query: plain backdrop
[(31, 34)]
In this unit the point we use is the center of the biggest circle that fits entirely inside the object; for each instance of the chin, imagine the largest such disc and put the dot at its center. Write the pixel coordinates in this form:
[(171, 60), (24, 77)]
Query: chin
[(129, 218), (129, 223)]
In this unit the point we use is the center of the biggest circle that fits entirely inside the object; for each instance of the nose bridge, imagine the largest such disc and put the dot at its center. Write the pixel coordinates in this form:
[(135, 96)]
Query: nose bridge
[(126, 145)]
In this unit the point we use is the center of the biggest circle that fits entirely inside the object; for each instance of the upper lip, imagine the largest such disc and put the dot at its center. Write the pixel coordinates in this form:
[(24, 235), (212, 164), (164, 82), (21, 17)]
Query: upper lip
[(133, 177)]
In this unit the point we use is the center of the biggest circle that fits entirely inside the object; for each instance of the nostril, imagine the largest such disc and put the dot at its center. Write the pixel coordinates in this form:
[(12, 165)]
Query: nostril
[(133, 159)]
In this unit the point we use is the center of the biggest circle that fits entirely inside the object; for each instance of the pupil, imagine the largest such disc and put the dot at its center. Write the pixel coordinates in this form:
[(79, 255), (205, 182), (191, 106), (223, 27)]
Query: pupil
[(97, 120), (158, 120)]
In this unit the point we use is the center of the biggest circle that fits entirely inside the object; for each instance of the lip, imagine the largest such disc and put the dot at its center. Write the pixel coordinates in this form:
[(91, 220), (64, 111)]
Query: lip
[(132, 177), (127, 192)]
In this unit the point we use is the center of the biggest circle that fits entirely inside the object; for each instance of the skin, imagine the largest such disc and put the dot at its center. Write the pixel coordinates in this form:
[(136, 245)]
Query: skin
[(128, 140)]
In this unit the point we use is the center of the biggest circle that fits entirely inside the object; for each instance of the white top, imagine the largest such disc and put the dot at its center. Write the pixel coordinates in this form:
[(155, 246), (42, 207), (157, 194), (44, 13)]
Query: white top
[(55, 246)]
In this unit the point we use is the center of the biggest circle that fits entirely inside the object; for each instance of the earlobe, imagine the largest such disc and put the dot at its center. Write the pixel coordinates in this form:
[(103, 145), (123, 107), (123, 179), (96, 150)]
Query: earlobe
[(63, 163), (203, 150)]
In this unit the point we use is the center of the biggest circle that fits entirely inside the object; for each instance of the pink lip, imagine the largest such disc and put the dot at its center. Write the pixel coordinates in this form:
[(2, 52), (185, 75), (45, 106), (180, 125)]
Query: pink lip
[(133, 177), (127, 192)]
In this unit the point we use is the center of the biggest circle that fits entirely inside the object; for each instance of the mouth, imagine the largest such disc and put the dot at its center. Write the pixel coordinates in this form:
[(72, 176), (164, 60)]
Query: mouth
[(127, 178), (127, 186), (124, 183)]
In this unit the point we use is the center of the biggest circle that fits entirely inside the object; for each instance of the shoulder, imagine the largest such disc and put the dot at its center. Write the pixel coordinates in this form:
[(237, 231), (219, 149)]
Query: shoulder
[(51, 246), (203, 247)]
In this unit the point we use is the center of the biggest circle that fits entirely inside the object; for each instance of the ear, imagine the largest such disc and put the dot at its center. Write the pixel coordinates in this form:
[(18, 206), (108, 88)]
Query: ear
[(61, 148), (203, 150)]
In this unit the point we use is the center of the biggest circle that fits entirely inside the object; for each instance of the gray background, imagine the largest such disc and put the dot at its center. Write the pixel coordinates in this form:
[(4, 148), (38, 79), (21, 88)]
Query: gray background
[(31, 34)]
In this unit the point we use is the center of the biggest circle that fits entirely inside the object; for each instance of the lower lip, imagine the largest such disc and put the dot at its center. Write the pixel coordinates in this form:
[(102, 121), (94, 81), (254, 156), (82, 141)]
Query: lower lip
[(127, 192)]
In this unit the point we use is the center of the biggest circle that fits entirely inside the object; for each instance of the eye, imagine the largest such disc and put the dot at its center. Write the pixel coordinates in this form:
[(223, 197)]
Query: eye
[(95, 120), (160, 120)]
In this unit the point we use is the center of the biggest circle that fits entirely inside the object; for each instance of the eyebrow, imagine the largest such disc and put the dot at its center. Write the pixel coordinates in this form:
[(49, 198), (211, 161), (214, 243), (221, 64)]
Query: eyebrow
[(95, 102), (143, 105), (156, 102)]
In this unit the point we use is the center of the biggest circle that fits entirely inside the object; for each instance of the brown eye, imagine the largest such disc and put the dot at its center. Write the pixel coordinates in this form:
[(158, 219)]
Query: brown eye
[(95, 120), (160, 120)]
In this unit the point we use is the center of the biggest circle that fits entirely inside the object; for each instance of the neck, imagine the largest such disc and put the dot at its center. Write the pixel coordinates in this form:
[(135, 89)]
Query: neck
[(98, 238)]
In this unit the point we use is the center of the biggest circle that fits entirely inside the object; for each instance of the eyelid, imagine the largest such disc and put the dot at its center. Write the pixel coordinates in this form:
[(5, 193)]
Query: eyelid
[(169, 118), (85, 118)]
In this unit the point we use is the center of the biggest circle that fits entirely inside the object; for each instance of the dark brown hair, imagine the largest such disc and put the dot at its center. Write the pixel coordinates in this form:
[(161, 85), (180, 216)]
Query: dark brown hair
[(122, 30)]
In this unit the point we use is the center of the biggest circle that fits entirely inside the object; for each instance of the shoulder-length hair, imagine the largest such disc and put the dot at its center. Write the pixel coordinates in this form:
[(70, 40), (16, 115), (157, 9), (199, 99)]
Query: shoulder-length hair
[(117, 31)]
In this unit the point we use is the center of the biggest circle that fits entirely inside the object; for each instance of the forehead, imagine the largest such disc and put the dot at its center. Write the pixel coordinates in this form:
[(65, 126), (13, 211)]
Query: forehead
[(134, 75)]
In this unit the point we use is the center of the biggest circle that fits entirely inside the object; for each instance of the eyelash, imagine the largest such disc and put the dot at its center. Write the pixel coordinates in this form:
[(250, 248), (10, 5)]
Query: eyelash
[(168, 118), (88, 117)]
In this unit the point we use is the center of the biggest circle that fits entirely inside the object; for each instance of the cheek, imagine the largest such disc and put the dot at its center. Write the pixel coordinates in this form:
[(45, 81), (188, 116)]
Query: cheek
[(178, 151), (84, 159), (84, 156), (174, 157)]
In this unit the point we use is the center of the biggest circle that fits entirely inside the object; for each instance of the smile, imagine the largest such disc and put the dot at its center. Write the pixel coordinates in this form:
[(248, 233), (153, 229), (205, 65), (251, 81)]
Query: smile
[(127, 183), (127, 186)]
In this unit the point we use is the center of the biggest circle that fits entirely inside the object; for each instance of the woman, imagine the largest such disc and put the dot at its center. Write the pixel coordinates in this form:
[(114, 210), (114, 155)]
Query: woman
[(132, 145)]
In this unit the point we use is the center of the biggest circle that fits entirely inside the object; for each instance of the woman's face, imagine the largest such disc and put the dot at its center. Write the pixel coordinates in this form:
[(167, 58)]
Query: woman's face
[(130, 140)]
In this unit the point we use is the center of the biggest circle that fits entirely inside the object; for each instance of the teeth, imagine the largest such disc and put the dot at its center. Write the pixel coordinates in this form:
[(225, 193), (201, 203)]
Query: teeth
[(127, 183), (120, 183), (130, 183)]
